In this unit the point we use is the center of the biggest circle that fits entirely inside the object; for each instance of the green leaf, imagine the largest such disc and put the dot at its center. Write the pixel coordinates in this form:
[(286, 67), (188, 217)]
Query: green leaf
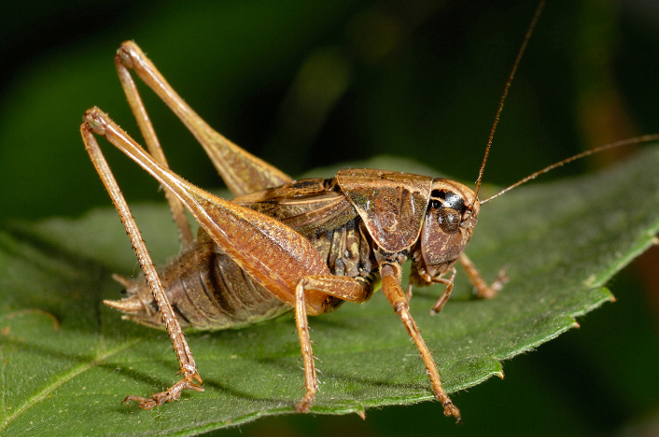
[(67, 360)]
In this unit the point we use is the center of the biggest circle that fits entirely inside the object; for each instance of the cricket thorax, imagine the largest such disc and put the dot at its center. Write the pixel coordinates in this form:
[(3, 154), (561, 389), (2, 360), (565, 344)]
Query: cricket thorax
[(349, 252), (319, 210)]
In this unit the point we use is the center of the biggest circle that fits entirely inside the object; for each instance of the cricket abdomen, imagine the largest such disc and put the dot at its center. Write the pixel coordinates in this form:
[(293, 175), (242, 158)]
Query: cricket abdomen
[(207, 290)]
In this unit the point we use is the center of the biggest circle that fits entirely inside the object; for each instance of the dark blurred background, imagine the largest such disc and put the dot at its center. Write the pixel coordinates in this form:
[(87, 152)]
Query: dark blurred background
[(306, 84)]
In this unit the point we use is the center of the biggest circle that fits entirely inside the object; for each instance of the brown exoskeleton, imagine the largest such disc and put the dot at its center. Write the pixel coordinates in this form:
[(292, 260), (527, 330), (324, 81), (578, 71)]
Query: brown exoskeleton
[(280, 244)]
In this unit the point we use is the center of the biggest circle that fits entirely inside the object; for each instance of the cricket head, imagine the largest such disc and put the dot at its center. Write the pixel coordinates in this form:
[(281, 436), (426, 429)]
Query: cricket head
[(449, 223)]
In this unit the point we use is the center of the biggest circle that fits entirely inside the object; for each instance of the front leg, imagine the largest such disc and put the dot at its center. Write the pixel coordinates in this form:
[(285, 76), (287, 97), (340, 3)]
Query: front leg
[(446, 294)]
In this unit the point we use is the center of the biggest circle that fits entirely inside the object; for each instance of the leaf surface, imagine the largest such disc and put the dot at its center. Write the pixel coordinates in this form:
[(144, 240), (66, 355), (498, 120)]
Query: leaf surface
[(67, 360)]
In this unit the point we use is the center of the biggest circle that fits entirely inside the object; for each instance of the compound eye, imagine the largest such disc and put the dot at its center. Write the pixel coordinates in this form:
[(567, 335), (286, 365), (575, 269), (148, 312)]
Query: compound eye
[(449, 220), (452, 200)]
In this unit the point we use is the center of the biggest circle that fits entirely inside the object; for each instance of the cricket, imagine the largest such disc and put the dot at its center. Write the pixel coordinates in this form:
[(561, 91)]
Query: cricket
[(283, 245)]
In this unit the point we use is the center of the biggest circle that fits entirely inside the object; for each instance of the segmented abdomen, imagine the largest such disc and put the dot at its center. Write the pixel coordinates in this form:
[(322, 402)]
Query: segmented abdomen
[(209, 291)]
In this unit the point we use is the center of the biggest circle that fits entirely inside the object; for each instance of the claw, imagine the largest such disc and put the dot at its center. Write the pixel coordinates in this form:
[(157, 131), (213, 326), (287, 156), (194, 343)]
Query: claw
[(171, 394), (143, 403), (305, 404), (302, 407), (451, 410), (497, 285)]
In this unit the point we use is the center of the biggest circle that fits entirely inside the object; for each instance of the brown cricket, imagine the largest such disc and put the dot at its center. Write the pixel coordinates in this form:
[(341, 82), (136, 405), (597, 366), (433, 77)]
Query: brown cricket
[(306, 245), (280, 244)]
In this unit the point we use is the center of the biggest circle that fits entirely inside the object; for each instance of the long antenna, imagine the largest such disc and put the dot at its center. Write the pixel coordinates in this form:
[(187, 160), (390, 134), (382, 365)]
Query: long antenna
[(536, 16), (636, 140)]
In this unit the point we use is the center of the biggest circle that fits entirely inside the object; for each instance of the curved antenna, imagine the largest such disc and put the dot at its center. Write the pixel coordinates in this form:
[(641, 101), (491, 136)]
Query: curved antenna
[(629, 141), (529, 32)]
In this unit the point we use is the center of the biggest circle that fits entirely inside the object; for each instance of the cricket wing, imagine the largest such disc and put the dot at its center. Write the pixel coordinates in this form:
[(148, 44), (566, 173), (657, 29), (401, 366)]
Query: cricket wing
[(392, 204), (310, 206)]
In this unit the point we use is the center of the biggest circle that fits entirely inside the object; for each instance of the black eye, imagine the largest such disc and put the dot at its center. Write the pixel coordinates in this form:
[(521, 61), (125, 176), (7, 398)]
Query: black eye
[(452, 200), (449, 199), (449, 220)]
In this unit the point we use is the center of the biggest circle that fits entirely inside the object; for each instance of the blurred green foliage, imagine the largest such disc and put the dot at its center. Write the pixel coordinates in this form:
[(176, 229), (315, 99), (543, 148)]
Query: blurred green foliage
[(303, 84)]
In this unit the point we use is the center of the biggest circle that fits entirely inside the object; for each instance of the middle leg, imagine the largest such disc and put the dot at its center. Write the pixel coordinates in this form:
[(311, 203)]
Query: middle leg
[(343, 287), (391, 273)]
